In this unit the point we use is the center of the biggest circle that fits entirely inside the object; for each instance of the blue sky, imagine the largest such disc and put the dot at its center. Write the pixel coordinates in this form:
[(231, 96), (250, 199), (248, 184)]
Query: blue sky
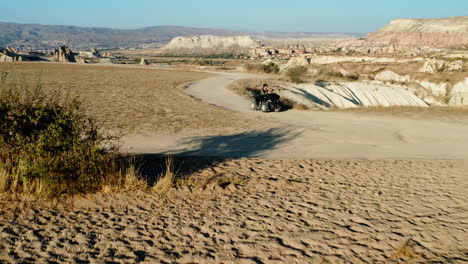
[(254, 15)]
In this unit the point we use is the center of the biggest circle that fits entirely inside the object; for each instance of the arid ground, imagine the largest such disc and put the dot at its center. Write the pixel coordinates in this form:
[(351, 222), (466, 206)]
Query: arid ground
[(385, 190)]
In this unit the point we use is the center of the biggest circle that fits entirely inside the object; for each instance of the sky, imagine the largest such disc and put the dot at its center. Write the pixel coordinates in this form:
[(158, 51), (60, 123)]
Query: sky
[(357, 16)]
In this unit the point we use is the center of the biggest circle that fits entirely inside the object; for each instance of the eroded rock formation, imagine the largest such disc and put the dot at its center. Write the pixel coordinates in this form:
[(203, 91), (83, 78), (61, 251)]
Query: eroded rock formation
[(349, 95), (459, 93), (389, 76), (208, 44), (64, 54), (432, 66), (412, 35), (9, 54), (143, 61)]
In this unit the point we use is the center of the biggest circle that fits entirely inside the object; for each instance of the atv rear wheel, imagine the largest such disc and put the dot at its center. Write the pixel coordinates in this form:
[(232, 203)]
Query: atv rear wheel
[(278, 109), (253, 104), (265, 107)]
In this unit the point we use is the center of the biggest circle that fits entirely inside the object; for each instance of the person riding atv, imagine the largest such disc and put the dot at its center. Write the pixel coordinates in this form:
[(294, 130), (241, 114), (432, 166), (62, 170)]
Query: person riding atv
[(265, 89), (267, 100)]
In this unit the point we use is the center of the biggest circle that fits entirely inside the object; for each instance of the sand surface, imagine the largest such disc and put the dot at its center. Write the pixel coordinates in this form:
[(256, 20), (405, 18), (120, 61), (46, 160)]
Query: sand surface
[(282, 211), (308, 134)]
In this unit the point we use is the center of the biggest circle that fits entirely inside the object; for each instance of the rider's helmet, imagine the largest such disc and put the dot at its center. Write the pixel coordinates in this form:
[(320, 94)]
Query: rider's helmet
[(265, 88)]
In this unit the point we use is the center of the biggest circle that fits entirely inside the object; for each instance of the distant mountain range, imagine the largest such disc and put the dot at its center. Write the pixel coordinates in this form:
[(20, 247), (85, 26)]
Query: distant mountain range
[(36, 36), (50, 36)]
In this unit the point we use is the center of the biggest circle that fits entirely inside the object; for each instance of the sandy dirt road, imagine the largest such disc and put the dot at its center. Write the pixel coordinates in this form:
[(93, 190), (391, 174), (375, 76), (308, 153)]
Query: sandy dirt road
[(308, 134)]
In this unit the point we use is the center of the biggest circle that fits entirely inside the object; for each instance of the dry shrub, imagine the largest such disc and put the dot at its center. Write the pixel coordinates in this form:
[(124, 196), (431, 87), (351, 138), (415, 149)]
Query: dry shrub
[(167, 179), (290, 104), (47, 145), (406, 251), (295, 74), (330, 73), (127, 178), (266, 68)]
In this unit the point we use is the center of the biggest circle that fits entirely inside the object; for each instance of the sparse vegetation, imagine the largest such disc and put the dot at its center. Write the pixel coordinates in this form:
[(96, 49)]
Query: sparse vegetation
[(209, 62), (296, 74), (167, 178), (47, 145), (266, 68), (56, 148), (225, 55)]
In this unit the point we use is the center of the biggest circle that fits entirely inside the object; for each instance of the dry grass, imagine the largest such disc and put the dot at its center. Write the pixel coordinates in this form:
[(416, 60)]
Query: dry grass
[(127, 179), (12, 182), (133, 100), (167, 179), (406, 251)]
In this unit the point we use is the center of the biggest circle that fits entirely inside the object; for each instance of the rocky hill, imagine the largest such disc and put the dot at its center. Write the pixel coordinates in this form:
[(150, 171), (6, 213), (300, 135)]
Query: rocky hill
[(208, 44), (50, 36), (440, 33)]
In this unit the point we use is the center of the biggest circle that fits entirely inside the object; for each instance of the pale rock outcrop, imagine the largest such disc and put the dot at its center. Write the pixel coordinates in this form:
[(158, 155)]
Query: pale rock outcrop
[(9, 51), (432, 66), (437, 89), (93, 54), (81, 60), (107, 54), (389, 76), (143, 61), (432, 101), (64, 54), (208, 44), (5, 58), (349, 95), (9, 54), (459, 93), (455, 65), (296, 61), (349, 74)]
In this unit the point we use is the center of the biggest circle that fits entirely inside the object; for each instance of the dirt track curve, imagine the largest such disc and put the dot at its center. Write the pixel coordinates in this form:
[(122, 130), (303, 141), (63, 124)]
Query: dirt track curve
[(309, 134)]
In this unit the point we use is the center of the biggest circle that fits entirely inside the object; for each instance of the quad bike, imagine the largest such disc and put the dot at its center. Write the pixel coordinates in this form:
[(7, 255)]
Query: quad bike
[(266, 102)]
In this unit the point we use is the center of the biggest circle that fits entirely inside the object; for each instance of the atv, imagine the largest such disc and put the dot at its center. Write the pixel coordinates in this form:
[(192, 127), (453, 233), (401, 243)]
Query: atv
[(266, 102)]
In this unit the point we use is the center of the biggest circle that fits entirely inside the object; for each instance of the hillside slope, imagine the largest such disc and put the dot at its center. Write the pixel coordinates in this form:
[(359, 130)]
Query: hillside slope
[(441, 33), (49, 36)]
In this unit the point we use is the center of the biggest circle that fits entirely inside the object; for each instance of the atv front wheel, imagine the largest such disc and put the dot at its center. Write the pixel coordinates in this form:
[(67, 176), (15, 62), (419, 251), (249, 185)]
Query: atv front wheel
[(278, 109), (265, 108)]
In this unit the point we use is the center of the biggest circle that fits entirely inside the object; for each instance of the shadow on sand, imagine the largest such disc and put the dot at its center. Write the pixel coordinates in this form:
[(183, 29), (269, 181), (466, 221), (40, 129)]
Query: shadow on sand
[(211, 150)]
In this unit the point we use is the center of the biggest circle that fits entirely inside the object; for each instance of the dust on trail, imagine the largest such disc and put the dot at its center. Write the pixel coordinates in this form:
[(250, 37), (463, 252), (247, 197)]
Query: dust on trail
[(285, 211)]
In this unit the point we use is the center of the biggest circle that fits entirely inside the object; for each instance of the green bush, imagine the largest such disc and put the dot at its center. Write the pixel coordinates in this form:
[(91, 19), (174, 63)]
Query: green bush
[(46, 139), (270, 68), (295, 74), (209, 62), (266, 68)]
